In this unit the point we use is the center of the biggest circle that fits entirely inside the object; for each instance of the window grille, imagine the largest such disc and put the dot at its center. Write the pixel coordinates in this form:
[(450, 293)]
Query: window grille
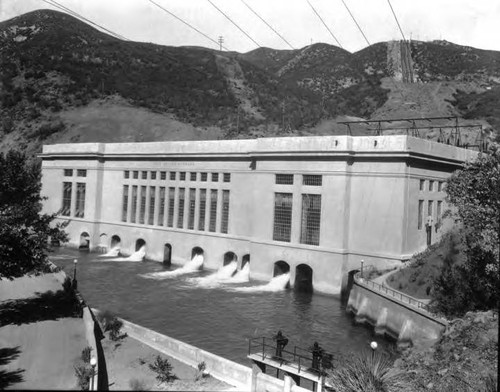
[(192, 206), (142, 211), (80, 200), (172, 176), (180, 211), (203, 176), (225, 212), (213, 210), (68, 172), (171, 206), (215, 177), (422, 185), (193, 176), (420, 214), (81, 173), (66, 199), (161, 206), (135, 174), (163, 175), (144, 175), (183, 176), (227, 177), (284, 179), (312, 179), (203, 204), (125, 203), (153, 175), (152, 197), (431, 186), (134, 204), (126, 174), (311, 219), (282, 216)]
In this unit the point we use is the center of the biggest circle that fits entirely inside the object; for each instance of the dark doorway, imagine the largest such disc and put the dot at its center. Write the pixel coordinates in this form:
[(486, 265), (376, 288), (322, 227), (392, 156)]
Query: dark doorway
[(139, 244), (167, 255), (229, 257), (303, 278), (84, 241), (196, 251), (281, 267), (115, 241)]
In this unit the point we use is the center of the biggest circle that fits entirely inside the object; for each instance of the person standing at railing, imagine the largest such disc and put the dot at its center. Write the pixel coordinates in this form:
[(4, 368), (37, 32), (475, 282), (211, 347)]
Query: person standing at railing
[(317, 353), (281, 342)]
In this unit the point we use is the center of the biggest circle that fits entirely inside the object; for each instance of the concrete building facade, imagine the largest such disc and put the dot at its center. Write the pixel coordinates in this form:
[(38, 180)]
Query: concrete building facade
[(312, 206)]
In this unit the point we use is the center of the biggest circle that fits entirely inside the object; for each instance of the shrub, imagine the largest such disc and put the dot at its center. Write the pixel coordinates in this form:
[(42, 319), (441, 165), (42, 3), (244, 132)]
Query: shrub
[(114, 329), (163, 369), (83, 373), (137, 385), (202, 366), (86, 354)]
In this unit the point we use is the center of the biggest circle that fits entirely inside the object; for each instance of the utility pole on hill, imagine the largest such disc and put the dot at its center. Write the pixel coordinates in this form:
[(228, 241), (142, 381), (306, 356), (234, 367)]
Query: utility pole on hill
[(221, 40)]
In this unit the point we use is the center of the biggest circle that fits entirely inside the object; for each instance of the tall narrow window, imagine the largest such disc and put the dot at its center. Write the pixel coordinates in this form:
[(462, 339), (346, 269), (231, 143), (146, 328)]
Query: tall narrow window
[(135, 174), (203, 204), (172, 176), (152, 200), (311, 218), (225, 212), (431, 186), (142, 211), (429, 208), (144, 175), (422, 185), (227, 177), (153, 175), (125, 203), (192, 206), (66, 199), (182, 176), (133, 212), (180, 211), (213, 210), (282, 217), (163, 175), (439, 209), (161, 206), (193, 176), (80, 200), (440, 186), (171, 206), (126, 174), (203, 176), (420, 214), (215, 177)]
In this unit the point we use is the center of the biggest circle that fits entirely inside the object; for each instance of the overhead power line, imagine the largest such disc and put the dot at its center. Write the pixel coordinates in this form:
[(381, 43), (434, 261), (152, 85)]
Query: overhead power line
[(228, 18), (186, 23), (354, 19), (397, 21), (81, 17), (267, 24), (324, 24)]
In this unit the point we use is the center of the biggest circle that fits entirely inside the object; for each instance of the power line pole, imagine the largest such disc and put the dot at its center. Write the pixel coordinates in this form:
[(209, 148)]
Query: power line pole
[(221, 40)]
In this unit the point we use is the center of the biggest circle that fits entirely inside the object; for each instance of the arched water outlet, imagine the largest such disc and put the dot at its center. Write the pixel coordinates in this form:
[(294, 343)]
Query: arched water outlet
[(139, 244), (281, 268), (103, 242), (303, 278), (167, 255), (84, 241), (197, 251), (244, 260), (229, 257), (115, 241)]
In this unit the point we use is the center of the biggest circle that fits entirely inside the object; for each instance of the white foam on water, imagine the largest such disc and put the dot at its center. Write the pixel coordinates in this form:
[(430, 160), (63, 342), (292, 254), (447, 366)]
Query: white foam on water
[(113, 252), (191, 266), (223, 274), (135, 257), (278, 283), (241, 276)]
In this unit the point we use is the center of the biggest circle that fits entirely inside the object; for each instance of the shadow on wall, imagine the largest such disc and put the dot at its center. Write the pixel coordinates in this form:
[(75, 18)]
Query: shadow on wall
[(9, 378)]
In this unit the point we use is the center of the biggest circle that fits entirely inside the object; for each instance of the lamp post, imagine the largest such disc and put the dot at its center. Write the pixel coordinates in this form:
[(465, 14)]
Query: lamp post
[(93, 363), (75, 283), (373, 346), (362, 262)]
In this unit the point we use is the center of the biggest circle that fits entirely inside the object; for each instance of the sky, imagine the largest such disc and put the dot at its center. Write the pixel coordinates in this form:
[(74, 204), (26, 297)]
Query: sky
[(473, 23)]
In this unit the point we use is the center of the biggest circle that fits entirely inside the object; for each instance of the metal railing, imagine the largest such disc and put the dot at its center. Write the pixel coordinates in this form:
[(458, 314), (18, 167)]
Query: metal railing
[(394, 293), (299, 358)]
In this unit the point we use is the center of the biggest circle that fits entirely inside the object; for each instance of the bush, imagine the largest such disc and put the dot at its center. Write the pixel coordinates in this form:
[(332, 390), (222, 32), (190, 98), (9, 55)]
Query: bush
[(86, 354), (109, 322), (83, 373), (163, 370), (202, 366), (137, 385)]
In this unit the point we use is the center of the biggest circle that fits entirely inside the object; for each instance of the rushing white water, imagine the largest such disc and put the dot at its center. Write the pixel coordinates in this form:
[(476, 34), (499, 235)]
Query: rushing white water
[(191, 266), (241, 276), (136, 256), (223, 274), (113, 252), (278, 283)]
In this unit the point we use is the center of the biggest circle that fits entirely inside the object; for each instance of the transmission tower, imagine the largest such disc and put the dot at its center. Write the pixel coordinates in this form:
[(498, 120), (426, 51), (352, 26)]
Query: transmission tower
[(221, 41)]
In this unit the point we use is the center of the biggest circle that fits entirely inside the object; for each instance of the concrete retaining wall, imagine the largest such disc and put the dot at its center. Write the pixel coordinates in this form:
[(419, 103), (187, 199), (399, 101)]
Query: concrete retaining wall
[(388, 315), (223, 369)]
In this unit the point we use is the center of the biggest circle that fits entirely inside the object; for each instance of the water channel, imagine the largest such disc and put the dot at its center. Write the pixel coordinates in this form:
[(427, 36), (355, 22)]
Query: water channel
[(214, 314)]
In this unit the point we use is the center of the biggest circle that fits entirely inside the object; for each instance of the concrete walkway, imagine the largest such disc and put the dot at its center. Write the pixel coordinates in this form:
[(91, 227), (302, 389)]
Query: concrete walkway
[(39, 354), (382, 280)]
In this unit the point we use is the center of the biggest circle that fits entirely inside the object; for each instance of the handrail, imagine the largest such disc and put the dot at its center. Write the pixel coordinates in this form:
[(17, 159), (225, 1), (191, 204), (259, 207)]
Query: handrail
[(394, 293)]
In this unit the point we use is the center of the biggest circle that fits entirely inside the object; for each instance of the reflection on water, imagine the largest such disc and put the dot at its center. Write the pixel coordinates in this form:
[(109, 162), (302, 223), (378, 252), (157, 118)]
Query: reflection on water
[(219, 319)]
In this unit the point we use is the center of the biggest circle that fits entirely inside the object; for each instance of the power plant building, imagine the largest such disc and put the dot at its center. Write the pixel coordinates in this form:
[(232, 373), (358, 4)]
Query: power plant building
[(311, 206)]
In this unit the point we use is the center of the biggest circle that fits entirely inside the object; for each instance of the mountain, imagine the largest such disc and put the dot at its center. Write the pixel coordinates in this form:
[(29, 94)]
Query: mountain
[(64, 81)]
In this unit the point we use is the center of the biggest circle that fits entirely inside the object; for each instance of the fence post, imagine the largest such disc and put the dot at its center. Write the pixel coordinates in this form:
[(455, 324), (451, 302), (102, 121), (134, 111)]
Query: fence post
[(263, 347)]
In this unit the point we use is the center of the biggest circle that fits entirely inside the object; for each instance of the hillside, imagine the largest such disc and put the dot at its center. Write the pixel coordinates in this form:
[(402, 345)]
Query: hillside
[(62, 80)]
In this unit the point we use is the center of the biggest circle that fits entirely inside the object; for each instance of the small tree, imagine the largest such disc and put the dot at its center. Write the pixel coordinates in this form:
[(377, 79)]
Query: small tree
[(474, 191), (163, 369), (24, 230)]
